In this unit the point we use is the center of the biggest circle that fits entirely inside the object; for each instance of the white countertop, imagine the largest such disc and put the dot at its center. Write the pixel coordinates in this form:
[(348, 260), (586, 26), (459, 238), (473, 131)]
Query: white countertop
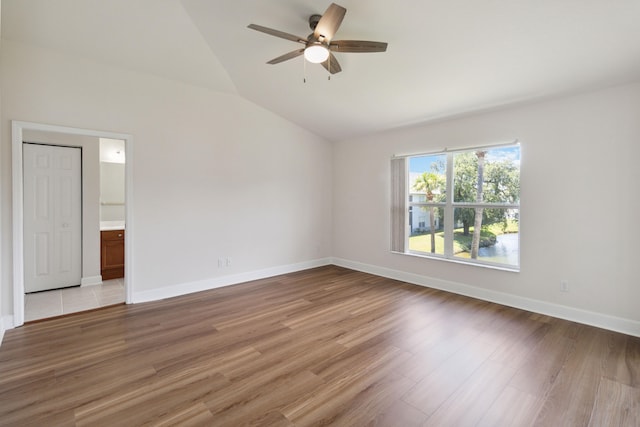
[(111, 225)]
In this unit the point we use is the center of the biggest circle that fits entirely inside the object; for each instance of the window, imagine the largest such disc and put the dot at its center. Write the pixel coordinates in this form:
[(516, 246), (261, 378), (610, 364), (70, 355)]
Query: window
[(461, 205)]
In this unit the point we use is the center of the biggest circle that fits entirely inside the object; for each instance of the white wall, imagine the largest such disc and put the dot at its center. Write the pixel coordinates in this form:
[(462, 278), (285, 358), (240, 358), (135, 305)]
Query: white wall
[(2, 235), (579, 156), (197, 155), (112, 191), (90, 195)]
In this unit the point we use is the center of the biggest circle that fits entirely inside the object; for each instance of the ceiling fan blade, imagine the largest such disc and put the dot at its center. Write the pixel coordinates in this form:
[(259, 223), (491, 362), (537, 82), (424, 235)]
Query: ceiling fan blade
[(277, 33), (332, 65), (329, 23), (286, 56), (357, 46)]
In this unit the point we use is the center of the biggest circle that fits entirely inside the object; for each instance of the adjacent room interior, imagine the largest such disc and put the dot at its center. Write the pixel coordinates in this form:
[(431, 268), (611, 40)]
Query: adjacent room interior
[(432, 224)]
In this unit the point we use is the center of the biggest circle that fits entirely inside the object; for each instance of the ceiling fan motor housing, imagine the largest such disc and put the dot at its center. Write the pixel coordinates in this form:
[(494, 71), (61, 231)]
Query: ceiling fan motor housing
[(313, 21)]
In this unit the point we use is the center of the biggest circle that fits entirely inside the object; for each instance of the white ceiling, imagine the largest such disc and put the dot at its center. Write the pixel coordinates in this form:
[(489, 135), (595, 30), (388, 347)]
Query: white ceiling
[(444, 57)]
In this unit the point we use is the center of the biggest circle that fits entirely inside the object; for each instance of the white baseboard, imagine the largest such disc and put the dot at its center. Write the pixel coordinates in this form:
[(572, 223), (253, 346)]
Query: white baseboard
[(600, 320), (6, 323), (90, 281), (218, 282)]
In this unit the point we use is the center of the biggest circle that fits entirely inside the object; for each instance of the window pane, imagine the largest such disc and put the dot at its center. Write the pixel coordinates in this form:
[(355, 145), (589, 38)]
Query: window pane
[(427, 178), (426, 229), (499, 170), (498, 240), (486, 182), (465, 177)]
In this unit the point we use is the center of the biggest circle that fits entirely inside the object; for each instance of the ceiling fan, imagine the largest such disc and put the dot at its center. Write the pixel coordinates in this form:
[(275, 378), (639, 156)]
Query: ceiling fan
[(319, 45)]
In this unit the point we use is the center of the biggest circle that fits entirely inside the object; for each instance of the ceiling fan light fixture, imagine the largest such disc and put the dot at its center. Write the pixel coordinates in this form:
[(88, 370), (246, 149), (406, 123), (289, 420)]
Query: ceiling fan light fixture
[(316, 53), (319, 45)]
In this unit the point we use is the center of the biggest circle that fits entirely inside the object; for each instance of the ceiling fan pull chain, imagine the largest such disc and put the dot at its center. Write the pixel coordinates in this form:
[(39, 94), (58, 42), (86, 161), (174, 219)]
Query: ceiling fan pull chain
[(304, 70), (329, 70)]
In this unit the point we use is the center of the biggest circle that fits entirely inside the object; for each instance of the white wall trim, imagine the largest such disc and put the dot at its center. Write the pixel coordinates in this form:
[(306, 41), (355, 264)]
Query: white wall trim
[(91, 280), (605, 321), (18, 245), (5, 321), (17, 221), (218, 282)]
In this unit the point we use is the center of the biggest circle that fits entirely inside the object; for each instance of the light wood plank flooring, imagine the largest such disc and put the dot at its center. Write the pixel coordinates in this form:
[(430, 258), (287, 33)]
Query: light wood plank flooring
[(326, 346)]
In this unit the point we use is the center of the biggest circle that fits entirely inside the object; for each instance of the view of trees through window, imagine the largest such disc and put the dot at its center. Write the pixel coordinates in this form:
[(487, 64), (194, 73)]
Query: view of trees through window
[(466, 205)]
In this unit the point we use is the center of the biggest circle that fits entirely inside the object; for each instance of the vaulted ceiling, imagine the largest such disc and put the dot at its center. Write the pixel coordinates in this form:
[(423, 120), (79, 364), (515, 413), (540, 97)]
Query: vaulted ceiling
[(444, 57)]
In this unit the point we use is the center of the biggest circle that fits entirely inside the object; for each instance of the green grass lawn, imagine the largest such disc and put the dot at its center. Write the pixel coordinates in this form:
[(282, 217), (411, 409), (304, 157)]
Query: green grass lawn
[(461, 243)]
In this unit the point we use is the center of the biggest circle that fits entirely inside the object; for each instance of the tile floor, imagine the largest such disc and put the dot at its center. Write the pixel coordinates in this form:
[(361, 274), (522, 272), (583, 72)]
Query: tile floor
[(41, 305)]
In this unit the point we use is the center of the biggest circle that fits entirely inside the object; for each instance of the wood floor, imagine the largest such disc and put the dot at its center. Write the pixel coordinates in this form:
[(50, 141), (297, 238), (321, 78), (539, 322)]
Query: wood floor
[(327, 346)]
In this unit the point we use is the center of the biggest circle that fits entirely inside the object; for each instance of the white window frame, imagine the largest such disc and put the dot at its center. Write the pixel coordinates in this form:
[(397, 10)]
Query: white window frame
[(449, 207)]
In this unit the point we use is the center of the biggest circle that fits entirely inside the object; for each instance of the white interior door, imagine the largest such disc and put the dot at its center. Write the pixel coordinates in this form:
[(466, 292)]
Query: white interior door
[(52, 179)]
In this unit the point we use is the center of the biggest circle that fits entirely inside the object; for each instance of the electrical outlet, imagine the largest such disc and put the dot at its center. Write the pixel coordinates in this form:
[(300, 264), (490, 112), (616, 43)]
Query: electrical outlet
[(564, 286)]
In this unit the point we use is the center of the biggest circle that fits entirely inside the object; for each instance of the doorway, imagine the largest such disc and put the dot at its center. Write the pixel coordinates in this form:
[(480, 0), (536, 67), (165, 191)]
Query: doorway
[(19, 129)]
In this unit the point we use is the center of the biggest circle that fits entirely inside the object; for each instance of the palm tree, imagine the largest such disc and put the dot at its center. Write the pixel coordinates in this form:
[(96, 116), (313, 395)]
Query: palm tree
[(431, 183), (477, 226)]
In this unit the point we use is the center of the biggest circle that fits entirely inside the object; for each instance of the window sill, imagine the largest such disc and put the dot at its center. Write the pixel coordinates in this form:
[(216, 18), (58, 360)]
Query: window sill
[(457, 261)]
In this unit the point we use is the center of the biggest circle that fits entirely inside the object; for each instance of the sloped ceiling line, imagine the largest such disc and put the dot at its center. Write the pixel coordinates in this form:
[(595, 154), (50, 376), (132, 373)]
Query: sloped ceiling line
[(443, 57)]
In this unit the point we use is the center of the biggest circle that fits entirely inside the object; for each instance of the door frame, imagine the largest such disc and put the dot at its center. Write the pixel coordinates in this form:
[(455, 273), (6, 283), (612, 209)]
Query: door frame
[(17, 128)]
